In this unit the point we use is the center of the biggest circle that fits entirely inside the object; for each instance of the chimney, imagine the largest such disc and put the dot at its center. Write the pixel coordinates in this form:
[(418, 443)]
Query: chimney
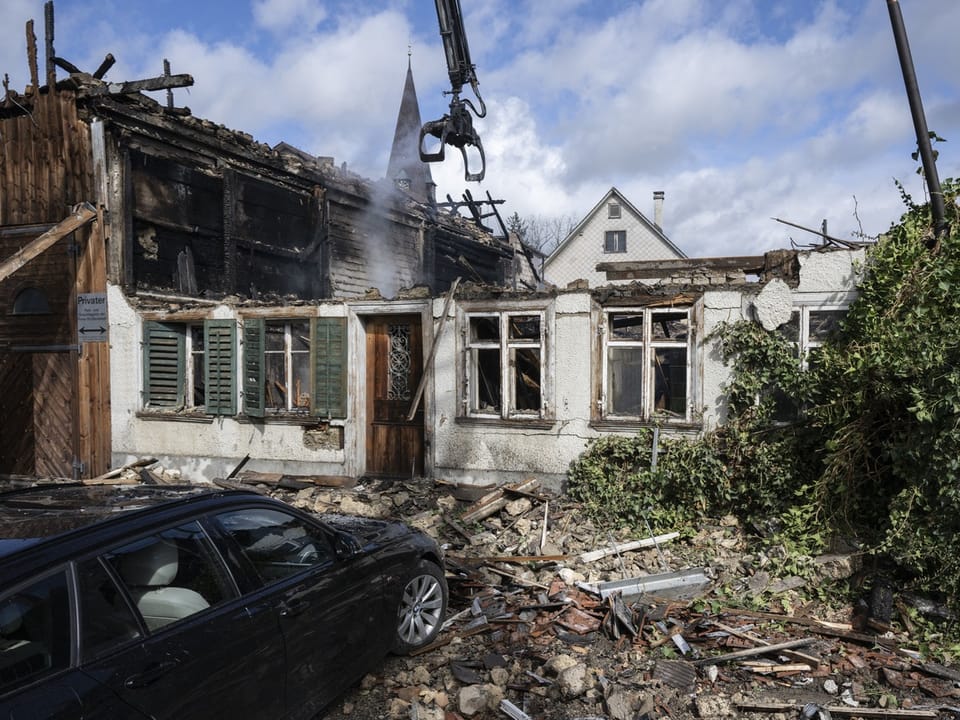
[(658, 209)]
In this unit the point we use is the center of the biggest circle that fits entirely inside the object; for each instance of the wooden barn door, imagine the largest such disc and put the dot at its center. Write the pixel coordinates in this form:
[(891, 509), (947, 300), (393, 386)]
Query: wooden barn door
[(394, 367)]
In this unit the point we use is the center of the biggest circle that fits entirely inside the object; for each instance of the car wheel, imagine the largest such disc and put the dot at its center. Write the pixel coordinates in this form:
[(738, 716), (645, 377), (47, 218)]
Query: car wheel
[(423, 606)]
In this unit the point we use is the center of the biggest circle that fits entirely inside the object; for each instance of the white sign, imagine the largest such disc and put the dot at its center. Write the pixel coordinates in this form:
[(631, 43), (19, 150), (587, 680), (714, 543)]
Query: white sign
[(92, 317)]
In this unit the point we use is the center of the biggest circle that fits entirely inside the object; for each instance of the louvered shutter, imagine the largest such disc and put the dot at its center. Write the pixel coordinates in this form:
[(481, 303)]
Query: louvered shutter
[(253, 346), (220, 344), (163, 365), (329, 350)]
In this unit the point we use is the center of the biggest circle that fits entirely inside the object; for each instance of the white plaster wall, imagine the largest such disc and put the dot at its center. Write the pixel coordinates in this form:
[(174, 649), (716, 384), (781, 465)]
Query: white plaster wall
[(201, 449), (837, 271), (495, 453)]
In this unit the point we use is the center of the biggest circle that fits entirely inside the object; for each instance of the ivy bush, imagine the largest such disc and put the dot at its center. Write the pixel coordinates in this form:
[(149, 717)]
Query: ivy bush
[(875, 451)]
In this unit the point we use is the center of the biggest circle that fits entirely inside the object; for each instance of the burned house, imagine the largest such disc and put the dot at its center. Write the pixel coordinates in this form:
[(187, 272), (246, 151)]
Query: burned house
[(128, 226), (171, 288)]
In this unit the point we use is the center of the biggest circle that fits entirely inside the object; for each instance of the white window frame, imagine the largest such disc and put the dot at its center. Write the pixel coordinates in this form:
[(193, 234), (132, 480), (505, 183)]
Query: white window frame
[(804, 344), (614, 210), (288, 353), (616, 236), (505, 347), (648, 346)]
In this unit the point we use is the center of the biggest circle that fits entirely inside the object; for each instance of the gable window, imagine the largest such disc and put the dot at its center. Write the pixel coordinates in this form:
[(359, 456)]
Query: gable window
[(613, 210), (646, 364), (505, 365), (295, 367), (190, 366), (615, 241)]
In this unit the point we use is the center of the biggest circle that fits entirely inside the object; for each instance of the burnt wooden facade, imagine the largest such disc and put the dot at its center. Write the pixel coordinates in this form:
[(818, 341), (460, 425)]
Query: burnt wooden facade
[(54, 391)]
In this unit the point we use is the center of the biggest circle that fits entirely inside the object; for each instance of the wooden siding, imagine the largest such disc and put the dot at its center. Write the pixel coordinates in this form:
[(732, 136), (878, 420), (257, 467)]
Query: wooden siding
[(60, 406)]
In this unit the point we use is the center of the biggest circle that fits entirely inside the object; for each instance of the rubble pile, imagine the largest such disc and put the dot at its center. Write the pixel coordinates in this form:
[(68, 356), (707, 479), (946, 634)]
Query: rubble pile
[(552, 618)]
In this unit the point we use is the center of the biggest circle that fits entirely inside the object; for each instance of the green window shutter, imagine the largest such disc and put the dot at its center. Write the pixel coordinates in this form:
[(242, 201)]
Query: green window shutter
[(329, 349), (164, 350), (253, 346), (220, 348)]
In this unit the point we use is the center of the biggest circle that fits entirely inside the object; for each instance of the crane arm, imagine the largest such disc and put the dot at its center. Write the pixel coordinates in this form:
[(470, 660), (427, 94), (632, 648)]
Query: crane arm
[(456, 127)]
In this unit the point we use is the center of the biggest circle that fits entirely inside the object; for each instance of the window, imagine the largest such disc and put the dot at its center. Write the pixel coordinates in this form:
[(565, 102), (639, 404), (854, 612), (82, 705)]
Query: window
[(275, 543), (613, 210), (190, 366), (646, 364), (34, 631), (810, 327), (615, 241), (31, 301), (295, 367), (505, 365), (172, 575), (106, 620)]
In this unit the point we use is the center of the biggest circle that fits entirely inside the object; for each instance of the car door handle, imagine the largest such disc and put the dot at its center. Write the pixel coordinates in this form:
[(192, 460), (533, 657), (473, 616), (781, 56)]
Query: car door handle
[(151, 674), (292, 608)]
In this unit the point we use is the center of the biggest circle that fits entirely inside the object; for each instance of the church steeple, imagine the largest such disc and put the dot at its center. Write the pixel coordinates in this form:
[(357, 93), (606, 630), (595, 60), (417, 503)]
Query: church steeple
[(405, 168)]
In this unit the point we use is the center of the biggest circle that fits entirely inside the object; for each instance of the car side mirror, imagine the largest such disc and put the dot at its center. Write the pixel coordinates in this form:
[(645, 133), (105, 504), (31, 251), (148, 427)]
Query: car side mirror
[(345, 545)]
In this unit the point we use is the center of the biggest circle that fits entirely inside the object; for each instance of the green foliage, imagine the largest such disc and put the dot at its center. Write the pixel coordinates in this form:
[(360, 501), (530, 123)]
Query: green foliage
[(871, 445)]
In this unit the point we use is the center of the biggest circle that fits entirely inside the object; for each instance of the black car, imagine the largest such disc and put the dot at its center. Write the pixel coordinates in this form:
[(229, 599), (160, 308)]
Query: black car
[(190, 602)]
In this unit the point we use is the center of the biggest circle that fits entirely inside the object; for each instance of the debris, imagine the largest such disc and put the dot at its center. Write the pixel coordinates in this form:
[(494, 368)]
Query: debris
[(496, 500), (513, 711), (751, 652), (627, 547), (675, 582)]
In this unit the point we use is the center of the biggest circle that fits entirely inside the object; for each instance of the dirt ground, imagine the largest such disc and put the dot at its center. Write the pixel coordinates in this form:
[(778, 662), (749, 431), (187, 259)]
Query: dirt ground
[(531, 635)]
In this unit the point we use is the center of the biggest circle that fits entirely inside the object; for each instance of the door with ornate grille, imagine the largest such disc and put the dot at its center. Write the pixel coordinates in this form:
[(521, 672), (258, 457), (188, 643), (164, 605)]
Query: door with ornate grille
[(394, 368)]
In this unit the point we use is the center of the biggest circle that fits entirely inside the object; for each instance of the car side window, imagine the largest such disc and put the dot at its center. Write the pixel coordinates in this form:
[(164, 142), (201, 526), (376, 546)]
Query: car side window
[(172, 574), (34, 631), (106, 620), (277, 544)]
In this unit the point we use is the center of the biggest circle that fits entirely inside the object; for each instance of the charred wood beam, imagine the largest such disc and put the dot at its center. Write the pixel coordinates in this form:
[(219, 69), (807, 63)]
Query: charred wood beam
[(107, 63), (134, 86), (32, 56), (149, 219), (265, 249), (66, 65), (48, 43)]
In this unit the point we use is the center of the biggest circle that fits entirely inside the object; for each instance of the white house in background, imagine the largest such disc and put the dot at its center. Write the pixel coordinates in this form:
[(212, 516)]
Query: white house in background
[(613, 231)]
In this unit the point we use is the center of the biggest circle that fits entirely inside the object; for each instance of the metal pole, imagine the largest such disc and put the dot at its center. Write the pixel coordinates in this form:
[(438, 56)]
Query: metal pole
[(937, 207)]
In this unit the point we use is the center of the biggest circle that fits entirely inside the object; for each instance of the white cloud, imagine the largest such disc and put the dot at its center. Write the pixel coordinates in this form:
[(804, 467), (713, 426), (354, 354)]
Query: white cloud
[(288, 16)]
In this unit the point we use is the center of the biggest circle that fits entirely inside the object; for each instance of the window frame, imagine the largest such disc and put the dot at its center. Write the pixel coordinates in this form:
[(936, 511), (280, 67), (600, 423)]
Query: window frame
[(505, 347), (327, 368), (803, 344), (614, 210), (614, 241), (648, 345), (169, 361)]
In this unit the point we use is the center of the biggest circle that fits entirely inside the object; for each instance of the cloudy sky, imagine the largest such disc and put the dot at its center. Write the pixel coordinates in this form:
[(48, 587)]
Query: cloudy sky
[(739, 110)]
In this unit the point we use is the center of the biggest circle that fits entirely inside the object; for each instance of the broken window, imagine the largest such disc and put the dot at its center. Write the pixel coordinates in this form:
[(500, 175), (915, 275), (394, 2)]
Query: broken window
[(810, 327), (295, 367), (505, 365), (646, 364), (615, 241), (190, 366)]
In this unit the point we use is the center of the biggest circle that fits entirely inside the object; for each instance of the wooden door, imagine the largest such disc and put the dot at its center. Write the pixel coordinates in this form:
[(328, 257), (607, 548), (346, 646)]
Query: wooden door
[(394, 368)]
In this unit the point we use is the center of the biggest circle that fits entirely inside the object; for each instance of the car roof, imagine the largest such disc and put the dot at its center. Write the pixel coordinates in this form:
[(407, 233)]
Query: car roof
[(29, 515)]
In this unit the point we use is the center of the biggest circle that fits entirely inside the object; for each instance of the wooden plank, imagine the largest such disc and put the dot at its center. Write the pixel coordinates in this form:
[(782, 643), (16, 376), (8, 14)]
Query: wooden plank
[(81, 216), (753, 652), (162, 82), (433, 351)]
